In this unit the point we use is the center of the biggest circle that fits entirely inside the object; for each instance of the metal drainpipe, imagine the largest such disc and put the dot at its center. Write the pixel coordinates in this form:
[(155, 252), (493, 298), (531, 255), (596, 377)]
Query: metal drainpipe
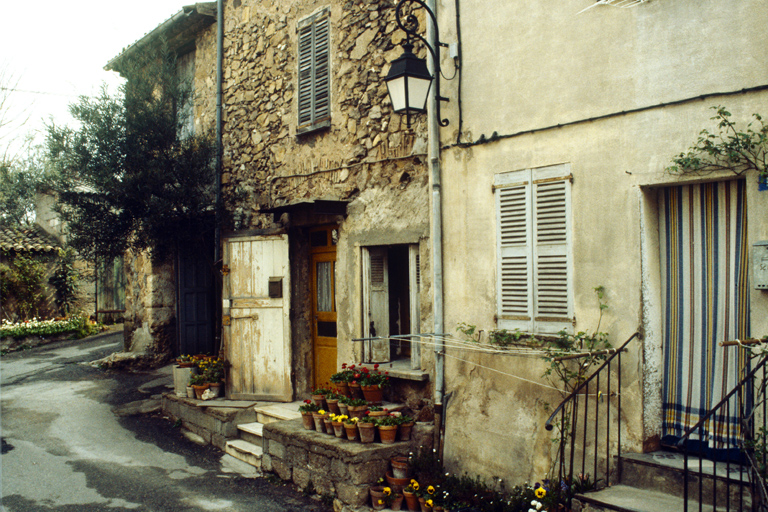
[(433, 135), (219, 147)]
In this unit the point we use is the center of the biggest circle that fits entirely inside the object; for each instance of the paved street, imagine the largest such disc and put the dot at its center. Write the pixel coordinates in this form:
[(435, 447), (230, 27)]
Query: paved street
[(72, 440)]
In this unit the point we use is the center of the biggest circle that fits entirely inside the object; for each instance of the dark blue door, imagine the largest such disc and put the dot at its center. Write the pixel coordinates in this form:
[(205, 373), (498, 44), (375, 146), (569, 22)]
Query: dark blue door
[(195, 306)]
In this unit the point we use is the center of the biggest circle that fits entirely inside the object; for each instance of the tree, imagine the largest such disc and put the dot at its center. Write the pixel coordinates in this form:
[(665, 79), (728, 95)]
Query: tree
[(126, 179), (19, 180)]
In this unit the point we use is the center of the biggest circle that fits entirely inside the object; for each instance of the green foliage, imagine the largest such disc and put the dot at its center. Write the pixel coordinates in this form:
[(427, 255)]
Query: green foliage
[(727, 149), (19, 180), (125, 178), (23, 281), (505, 338), (65, 281), (468, 331)]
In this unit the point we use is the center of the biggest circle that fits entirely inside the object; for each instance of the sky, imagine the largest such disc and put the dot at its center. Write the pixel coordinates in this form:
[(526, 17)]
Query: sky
[(51, 52)]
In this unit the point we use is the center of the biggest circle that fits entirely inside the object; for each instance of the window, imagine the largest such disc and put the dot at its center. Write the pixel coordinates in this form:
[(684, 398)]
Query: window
[(391, 284), (314, 72), (534, 285)]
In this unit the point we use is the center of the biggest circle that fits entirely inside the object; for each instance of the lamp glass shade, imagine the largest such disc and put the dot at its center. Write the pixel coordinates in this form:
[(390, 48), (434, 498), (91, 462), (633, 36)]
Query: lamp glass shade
[(408, 83)]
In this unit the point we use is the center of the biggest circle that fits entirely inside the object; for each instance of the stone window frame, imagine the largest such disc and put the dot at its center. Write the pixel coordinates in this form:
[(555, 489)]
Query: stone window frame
[(534, 276), (314, 71)]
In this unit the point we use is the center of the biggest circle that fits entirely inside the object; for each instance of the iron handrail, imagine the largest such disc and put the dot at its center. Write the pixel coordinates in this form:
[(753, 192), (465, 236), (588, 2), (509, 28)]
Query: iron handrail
[(548, 425)]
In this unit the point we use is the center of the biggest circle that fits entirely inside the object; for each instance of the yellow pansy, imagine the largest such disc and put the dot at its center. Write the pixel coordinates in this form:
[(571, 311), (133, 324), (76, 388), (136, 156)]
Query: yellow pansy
[(431, 490), (387, 491), (540, 492), (428, 503)]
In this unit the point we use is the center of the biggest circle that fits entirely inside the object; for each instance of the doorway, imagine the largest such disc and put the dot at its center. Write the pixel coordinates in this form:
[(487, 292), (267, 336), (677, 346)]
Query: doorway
[(704, 299), (322, 242)]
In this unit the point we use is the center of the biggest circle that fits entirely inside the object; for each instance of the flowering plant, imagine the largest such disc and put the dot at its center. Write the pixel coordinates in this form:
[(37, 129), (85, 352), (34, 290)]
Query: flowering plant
[(309, 406), (412, 487), (345, 375), (351, 421), (387, 421), (356, 402), (403, 419), (367, 377), (321, 391)]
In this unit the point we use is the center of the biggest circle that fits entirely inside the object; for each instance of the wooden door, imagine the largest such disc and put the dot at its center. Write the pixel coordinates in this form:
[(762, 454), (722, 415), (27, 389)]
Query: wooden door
[(323, 293), (195, 305), (257, 339)]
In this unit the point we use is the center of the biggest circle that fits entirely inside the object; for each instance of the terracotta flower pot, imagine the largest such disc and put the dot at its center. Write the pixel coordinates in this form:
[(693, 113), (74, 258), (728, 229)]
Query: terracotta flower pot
[(338, 428), (373, 395), (355, 391), (367, 432), (215, 387), (400, 469), (320, 401), (412, 501), (307, 421), (319, 423), (404, 434), (397, 502), (388, 433), (343, 389), (377, 414), (357, 411), (423, 505), (378, 498), (351, 431), (328, 425), (344, 409), (199, 390), (333, 405), (397, 484)]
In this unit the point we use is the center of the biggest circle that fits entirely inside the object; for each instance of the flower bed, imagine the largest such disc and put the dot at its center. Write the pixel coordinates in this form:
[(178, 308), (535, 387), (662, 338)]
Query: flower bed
[(34, 332)]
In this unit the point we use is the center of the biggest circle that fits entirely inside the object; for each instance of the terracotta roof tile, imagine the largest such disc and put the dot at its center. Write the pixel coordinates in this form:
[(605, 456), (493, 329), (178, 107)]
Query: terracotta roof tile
[(32, 239)]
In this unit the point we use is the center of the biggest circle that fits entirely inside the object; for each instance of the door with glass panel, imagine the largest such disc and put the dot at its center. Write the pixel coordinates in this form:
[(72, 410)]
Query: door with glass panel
[(323, 290)]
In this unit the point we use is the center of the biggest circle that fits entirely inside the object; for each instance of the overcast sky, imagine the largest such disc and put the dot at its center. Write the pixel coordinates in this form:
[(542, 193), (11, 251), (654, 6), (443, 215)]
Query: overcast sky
[(54, 51)]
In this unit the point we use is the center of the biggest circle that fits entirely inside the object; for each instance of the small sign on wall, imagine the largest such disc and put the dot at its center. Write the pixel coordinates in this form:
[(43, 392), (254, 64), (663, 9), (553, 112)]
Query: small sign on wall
[(760, 265)]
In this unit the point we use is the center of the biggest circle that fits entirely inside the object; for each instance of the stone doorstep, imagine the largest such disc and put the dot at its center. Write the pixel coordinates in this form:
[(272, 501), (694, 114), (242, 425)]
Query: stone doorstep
[(244, 451), (622, 498), (251, 432)]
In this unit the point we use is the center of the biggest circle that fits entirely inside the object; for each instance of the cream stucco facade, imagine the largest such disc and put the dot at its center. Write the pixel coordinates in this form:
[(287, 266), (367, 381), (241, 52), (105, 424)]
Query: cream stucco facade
[(615, 94)]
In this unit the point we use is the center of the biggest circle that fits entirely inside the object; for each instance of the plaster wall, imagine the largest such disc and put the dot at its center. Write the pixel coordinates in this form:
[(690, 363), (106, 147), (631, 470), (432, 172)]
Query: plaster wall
[(617, 165)]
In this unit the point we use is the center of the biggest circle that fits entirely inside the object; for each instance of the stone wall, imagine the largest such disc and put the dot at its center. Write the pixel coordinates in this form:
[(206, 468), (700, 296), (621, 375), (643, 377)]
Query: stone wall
[(333, 466), (265, 162)]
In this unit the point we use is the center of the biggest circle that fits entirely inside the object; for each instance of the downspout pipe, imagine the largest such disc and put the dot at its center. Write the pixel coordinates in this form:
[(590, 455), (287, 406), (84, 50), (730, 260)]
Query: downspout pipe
[(219, 151), (436, 235)]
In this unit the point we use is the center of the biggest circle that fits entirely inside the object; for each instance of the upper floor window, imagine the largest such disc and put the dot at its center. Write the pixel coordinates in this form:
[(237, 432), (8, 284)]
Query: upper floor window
[(533, 240), (314, 88)]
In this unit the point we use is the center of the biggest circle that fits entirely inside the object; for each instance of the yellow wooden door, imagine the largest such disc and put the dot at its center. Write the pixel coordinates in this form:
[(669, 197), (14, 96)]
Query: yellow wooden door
[(323, 292), (257, 309)]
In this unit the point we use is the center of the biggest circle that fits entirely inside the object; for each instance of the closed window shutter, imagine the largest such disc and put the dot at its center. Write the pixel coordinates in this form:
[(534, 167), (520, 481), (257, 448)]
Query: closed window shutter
[(515, 301), (314, 89), (533, 233)]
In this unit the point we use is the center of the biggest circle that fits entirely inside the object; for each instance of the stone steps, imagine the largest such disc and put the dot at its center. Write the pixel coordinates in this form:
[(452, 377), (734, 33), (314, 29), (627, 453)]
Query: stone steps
[(245, 451), (654, 482)]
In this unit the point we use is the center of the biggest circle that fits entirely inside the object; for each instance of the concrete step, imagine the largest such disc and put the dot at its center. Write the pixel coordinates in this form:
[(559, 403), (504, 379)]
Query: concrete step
[(251, 432), (245, 451), (663, 472), (270, 413), (623, 498)]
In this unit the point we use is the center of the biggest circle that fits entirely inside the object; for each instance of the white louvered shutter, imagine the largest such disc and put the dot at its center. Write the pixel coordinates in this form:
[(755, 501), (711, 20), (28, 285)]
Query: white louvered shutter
[(514, 272), (551, 234), (314, 88)]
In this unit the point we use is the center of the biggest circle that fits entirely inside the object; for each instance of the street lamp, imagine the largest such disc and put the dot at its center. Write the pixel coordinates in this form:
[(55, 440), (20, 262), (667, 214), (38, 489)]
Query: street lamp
[(408, 80)]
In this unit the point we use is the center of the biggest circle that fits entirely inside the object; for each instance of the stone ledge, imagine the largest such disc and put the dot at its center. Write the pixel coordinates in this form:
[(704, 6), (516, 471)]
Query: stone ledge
[(340, 467)]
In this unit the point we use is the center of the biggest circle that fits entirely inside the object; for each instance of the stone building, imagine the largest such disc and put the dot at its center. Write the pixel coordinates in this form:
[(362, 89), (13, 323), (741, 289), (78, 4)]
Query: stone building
[(324, 234)]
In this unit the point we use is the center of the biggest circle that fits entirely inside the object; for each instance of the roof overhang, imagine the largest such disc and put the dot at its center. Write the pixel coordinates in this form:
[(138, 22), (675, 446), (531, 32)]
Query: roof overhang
[(178, 32), (312, 208)]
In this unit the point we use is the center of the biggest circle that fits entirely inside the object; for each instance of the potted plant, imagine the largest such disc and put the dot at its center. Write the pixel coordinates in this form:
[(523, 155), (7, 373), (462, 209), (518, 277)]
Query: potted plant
[(337, 420), (410, 493), (387, 428), (400, 467), (317, 417), (341, 379), (372, 382), (318, 395), (406, 424), (350, 427), (379, 496), (306, 410), (367, 428), (343, 407), (332, 399), (357, 407), (376, 411), (199, 384)]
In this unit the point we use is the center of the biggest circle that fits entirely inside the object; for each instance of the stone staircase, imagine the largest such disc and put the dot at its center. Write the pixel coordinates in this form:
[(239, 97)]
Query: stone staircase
[(248, 446), (654, 482)]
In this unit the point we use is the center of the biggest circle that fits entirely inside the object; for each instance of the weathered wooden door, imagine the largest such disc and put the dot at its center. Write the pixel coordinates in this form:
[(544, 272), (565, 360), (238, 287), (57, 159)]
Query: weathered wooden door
[(323, 293), (195, 302), (257, 309)]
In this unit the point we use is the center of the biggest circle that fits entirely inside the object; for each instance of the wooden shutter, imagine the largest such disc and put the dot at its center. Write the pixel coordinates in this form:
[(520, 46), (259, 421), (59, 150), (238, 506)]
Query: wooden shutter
[(514, 272), (314, 89), (551, 234), (533, 258)]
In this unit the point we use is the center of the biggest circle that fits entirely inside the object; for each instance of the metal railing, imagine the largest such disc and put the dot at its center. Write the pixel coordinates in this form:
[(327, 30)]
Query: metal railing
[(587, 419), (738, 481)]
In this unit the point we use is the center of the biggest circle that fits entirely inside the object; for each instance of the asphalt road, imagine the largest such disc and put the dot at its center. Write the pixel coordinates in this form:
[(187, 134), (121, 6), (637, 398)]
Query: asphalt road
[(72, 441)]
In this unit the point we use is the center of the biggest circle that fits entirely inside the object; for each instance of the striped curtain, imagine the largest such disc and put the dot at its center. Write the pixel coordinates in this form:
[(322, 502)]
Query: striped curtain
[(702, 231)]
